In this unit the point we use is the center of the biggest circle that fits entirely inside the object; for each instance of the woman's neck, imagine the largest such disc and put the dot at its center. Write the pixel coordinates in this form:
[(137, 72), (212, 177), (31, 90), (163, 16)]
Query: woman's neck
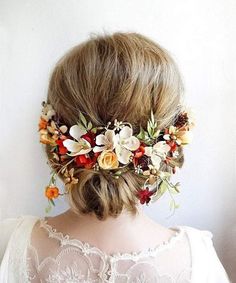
[(113, 234), (125, 218)]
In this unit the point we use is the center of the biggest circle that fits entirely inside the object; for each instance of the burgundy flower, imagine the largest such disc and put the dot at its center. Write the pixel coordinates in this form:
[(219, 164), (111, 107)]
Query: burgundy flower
[(145, 195), (90, 137), (143, 161), (181, 120)]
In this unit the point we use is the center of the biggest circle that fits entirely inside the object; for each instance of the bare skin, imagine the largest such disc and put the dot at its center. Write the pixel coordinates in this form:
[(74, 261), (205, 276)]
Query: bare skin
[(126, 233)]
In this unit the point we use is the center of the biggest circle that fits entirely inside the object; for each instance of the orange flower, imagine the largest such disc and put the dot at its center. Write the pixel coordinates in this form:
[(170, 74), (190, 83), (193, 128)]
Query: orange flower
[(51, 192), (42, 124)]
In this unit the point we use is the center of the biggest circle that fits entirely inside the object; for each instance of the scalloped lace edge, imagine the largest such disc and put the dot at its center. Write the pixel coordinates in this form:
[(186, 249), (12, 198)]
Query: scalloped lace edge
[(88, 248)]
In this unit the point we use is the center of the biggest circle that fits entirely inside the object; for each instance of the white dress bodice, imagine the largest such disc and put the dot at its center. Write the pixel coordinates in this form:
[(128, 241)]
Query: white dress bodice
[(47, 255)]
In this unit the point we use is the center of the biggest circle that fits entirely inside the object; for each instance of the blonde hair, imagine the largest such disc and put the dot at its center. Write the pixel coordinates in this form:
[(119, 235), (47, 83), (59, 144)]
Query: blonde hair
[(119, 76)]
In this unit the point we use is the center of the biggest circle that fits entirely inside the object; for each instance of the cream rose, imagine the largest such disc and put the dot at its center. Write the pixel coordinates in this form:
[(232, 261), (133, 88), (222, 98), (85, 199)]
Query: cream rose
[(108, 160)]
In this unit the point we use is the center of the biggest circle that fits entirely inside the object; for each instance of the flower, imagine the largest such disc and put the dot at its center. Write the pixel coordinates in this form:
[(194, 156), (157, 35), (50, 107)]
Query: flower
[(145, 195), (90, 137), (105, 141), (173, 146), (81, 145), (61, 148), (45, 138), (52, 128), (48, 132), (47, 112), (118, 125), (126, 143), (157, 153), (42, 124), (114, 147), (138, 154), (51, 192), (69, 177), (108, 160), (152, 174), (179, 136), (191, 117), (84, 160)]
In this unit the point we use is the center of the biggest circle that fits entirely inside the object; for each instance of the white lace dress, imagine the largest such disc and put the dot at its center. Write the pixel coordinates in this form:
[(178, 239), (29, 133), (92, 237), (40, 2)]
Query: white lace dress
[(33, 251)]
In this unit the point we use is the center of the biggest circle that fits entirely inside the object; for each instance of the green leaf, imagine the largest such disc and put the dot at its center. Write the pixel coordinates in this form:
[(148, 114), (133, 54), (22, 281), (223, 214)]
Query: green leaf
[(82, 127), (89, 126), (118, 173), (48, 208), (141, 134), (165, 175), (156, 133), (152, 117), (53, 148), (163, 187), (149, 128), (176, 205), (94, 130), (173, 205), (52, 202), (83, 119), (173, 190), (177, 186), (152, 127)]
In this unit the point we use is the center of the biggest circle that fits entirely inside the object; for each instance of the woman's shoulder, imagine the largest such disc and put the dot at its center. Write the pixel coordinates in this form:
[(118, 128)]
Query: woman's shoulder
[(205, 259), (201, 240), (9, 225), (197, 233)]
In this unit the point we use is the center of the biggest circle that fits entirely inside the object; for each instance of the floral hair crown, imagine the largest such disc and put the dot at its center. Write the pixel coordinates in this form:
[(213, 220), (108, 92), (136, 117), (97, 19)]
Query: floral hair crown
[(116, 149)]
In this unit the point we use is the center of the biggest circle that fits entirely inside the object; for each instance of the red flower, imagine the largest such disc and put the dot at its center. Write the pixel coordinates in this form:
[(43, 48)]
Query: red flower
[(86, 161), (90, 137), (145, 195), (138, 153), (62, 149), (172, 145)]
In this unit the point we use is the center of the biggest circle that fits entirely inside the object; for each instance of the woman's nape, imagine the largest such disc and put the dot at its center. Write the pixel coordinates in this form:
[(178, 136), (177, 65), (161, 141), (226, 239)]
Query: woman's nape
[(113, 235)]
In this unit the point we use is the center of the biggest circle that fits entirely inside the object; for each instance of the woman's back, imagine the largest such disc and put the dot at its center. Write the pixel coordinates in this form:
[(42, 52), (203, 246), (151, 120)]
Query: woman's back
[(44, 254), (62, 258)]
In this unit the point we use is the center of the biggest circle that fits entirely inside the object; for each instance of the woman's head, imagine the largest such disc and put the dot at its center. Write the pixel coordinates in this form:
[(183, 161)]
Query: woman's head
[(121, 76)]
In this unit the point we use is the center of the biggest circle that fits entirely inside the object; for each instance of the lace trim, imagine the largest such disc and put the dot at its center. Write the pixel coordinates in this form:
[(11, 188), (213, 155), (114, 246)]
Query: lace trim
[(87, 248)]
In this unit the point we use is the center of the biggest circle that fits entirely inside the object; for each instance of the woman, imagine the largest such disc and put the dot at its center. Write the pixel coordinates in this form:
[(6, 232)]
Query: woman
[(114, 126)]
